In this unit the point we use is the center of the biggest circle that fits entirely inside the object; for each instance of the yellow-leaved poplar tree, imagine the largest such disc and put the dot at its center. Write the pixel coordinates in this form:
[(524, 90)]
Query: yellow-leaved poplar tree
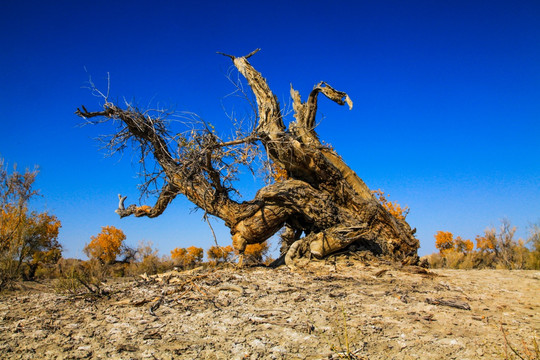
[(194, 255), (218, 254), (27, 239), (187, 257), (178, 255), (487, 242), (444, 241), (463, 246), (256, 252), (106, 246)]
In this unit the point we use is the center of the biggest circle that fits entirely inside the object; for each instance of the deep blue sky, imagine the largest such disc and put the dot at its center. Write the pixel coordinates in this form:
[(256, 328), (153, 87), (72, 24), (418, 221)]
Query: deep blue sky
[(446, 100)]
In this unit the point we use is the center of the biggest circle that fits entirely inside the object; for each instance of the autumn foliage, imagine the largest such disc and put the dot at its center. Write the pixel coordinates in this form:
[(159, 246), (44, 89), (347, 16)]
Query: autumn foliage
[(256, 252), (444, 241), (28, 239), (217, 254), (187, 257), (463, 246), (277, 173), (393, 207), (194, 255), (487, 242), (494, 249), (178, 253), (106, 246)]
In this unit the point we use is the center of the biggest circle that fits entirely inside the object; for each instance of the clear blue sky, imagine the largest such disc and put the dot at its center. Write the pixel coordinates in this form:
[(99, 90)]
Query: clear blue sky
[(446, 115)]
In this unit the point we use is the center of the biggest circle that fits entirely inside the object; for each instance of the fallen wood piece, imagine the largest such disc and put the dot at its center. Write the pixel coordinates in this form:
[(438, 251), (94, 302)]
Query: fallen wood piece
[(380, 272), (132, 302), (231, 287), (155, 306), (181, 286), (273, 310), (259, 321), (458, 304), (144, 301), (418, 270), (155, 335)]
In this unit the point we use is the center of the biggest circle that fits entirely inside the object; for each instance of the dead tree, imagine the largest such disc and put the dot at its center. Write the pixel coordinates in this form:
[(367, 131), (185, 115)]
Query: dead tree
[(322, 206)]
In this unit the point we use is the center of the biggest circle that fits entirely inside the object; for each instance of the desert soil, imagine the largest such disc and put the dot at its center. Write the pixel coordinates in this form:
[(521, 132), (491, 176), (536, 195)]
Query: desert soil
[(377, 311)]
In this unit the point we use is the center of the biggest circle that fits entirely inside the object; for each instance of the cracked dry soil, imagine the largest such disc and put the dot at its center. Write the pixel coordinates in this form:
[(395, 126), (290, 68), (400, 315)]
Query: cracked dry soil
[(377, 311)]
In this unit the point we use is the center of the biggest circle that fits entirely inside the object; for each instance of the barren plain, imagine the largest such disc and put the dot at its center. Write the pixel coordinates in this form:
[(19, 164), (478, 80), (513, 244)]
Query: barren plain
[(326, 310)]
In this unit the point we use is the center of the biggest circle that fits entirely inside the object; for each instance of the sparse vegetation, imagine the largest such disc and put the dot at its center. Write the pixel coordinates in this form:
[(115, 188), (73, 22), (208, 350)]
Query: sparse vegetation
[(28, 239), (187, 257), (341, 310), (494, 249), (345, 348), (219, 254), (523, 351)]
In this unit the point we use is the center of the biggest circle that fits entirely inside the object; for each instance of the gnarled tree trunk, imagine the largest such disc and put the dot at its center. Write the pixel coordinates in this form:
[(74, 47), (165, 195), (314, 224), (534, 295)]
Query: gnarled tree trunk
[(323, 205)]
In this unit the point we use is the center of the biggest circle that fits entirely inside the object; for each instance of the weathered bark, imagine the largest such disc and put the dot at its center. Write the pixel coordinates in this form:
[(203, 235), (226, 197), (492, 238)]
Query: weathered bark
[(322, 199)]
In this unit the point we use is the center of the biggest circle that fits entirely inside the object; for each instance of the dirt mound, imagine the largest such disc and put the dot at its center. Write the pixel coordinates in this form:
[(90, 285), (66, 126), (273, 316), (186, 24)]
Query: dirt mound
[(319, 312)]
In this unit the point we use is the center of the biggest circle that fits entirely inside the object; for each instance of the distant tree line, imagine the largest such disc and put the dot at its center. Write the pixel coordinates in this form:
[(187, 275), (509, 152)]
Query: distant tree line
[(497, 249), (30, 250), (29, 247)]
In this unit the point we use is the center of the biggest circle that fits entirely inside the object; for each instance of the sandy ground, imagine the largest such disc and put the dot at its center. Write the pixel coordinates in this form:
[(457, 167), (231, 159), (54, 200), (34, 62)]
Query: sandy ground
[(318, 312)]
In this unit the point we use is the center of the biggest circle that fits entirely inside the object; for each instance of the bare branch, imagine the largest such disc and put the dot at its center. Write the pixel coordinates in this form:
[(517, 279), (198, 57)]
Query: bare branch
[(270, 118), (252, 53), (121, 202), (248, 139), (245, 57), (305, 113), (227, 55), (168, 193)]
